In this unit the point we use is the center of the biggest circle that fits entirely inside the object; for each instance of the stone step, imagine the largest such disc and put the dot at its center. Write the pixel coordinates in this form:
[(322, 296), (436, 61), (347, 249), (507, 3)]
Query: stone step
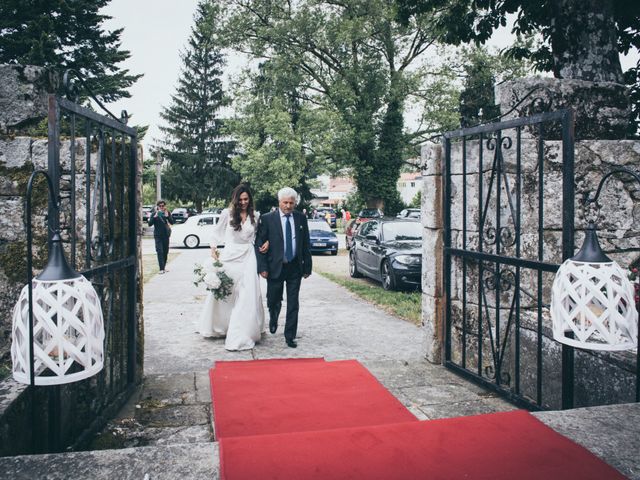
[(193, 461), (167, 409)]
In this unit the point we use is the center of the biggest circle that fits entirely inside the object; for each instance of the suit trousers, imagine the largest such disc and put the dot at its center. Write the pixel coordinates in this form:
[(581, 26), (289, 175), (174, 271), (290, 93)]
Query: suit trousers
[(162, 250), (291, 275)]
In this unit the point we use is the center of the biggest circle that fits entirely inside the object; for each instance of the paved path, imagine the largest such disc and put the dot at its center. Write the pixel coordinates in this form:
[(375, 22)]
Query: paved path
[(169, 420)]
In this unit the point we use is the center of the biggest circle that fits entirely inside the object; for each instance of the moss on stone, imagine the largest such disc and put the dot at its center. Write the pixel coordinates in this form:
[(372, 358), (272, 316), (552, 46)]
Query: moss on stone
[(5, 368), (13, 255), (21, 175)]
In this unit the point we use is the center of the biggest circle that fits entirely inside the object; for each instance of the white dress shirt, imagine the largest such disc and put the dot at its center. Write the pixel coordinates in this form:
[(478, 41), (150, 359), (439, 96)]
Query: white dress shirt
[(283, 222)]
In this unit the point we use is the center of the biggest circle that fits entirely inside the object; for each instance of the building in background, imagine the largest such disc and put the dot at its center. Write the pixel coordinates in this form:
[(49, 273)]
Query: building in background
[(409, 186), (333, 192)]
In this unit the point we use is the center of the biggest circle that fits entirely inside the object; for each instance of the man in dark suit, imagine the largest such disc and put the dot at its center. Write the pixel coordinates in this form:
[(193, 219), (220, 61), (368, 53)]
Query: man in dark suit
[(287, 260), (161, 222)]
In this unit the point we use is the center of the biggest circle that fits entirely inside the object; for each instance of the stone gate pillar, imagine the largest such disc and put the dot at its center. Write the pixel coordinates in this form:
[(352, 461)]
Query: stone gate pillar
[(432, 264)]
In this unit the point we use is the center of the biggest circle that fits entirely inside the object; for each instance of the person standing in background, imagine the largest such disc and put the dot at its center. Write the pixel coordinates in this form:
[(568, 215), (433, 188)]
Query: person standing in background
[(161, 222)]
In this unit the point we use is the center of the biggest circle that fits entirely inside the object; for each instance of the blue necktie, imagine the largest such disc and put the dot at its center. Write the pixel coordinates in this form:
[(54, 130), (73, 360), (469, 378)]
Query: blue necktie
[(288, 240)]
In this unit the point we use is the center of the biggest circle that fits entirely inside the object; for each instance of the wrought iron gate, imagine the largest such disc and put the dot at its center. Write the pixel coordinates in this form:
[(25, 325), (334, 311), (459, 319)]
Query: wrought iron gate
[(93, 163), (508, 224)]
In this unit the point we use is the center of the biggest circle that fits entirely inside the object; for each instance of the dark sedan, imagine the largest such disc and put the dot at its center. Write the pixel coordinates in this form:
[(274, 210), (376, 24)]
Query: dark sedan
[(322, 238), (388, 250)]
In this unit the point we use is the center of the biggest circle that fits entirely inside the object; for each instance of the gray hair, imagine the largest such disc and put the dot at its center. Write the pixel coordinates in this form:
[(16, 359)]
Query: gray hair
[(288, 192)]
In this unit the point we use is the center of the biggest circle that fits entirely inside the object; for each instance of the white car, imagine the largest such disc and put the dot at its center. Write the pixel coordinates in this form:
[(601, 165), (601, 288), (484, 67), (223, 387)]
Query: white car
[(195, 232)]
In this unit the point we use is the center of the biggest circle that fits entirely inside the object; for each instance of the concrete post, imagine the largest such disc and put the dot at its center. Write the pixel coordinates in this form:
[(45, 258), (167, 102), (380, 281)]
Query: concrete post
[(158, 176)]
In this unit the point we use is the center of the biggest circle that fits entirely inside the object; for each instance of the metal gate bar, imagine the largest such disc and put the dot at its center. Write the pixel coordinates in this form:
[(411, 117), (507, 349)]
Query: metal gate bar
[(495, 252), (109, 256)]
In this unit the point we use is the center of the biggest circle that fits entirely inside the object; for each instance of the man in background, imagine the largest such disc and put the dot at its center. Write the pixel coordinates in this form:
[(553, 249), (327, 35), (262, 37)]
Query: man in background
[(161, 221)]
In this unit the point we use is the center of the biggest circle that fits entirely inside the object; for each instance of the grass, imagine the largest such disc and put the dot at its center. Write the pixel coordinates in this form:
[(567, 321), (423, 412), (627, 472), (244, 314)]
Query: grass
[(150, 265), (406, 305)]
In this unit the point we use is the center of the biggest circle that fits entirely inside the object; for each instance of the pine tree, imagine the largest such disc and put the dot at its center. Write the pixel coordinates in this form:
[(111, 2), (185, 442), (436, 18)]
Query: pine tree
[(66, 34), (199, 167)]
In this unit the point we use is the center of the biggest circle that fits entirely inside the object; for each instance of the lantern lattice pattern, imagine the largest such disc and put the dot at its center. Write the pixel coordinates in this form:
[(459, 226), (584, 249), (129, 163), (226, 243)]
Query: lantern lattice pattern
[(68, 332), (594, 304)]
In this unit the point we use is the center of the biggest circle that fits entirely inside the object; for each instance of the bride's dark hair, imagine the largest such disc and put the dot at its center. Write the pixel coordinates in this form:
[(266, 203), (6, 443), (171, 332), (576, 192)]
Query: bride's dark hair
[(234, 206)]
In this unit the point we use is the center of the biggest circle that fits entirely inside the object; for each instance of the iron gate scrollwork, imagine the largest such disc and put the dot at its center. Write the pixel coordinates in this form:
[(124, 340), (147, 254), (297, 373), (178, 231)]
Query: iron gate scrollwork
[(93, 164), (504, 238)]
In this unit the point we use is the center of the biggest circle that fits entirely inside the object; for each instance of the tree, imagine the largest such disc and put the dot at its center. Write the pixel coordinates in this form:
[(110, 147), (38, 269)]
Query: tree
[(283, 140), (580, 39), (416, 201), (196, 147), (66, 35), (482, 70), (355, 59)]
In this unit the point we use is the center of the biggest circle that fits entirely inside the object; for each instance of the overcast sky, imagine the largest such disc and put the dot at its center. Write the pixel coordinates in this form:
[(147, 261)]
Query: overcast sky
[(155, 31)]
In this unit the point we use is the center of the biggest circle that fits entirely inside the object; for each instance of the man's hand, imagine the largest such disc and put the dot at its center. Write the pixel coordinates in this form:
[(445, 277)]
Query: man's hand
[(214, 253), (264, 248), (264, 274)]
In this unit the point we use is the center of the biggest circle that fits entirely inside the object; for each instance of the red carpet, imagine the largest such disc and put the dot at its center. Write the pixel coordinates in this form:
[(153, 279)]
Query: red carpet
[(308, 419), (499, 446), (298, 395)]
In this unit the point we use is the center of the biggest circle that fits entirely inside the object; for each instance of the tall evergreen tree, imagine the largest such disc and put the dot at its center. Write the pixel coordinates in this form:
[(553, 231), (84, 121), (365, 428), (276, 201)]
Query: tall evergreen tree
[(66, 34), (198, 152)]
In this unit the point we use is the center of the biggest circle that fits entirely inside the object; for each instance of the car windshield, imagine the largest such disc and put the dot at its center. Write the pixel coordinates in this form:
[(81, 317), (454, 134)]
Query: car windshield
[(402, 231), (369, 213), (322, 226)]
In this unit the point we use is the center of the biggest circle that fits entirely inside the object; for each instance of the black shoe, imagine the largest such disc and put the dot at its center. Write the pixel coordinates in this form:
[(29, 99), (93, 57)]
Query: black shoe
[(273, 326), (291, 343)]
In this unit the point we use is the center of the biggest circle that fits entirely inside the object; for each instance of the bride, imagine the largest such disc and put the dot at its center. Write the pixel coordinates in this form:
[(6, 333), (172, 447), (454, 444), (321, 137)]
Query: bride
[(240, 316)]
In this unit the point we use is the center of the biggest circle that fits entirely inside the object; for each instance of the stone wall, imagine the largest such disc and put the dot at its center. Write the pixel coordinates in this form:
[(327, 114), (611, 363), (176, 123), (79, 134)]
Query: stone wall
[(619, 232)]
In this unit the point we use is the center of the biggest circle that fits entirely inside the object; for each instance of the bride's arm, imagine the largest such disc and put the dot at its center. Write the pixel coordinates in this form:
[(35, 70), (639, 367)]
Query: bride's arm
[(261, 243), (217, 234)]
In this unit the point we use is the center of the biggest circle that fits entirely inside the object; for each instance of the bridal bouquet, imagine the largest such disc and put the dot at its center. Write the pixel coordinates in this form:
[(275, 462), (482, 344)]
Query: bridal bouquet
[(211, 273)]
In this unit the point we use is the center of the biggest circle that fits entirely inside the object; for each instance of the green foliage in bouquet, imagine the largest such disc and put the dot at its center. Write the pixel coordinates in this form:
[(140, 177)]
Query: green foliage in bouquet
[(216, 281)]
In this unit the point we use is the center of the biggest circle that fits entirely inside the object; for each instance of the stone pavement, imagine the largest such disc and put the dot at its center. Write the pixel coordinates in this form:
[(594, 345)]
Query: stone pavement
[(165, 432)]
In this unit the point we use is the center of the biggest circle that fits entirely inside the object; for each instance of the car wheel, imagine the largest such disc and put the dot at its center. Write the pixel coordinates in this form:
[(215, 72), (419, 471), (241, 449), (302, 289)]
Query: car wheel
[(388, 279), (334, 252), (191, 241), (353, 268)]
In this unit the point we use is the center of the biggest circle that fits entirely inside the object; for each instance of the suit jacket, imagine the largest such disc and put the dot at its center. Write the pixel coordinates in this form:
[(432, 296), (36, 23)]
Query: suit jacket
[(270, 228)]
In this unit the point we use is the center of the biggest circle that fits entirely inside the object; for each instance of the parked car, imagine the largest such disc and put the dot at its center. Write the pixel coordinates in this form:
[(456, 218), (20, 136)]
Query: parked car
[(147, 210), (212, 210), (369, 213), (322, 237), (409, 213), (321, 212), (195, 232), (349, 232), (388, 250), (180, 214)]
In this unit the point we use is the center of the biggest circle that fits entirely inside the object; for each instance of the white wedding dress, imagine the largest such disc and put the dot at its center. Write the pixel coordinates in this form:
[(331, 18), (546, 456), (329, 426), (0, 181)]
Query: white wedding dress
[(240, 316)]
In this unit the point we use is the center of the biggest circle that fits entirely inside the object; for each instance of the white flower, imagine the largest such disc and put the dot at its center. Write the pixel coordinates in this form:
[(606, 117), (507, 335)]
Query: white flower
[(212, 280)]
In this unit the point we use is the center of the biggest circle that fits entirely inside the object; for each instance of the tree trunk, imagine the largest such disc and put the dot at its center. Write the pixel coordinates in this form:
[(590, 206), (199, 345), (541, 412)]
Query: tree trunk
[(583, 41)]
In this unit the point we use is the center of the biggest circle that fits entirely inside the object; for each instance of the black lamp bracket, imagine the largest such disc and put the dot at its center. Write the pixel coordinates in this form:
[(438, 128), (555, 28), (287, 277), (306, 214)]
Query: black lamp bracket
[(591, 204)]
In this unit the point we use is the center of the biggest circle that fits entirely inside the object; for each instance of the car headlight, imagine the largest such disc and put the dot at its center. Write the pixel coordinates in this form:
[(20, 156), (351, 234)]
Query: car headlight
[(408, 259)]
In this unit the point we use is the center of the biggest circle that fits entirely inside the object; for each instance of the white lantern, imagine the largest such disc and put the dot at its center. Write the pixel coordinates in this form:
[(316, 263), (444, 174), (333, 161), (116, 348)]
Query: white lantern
[(67, 325), (592, 301)]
